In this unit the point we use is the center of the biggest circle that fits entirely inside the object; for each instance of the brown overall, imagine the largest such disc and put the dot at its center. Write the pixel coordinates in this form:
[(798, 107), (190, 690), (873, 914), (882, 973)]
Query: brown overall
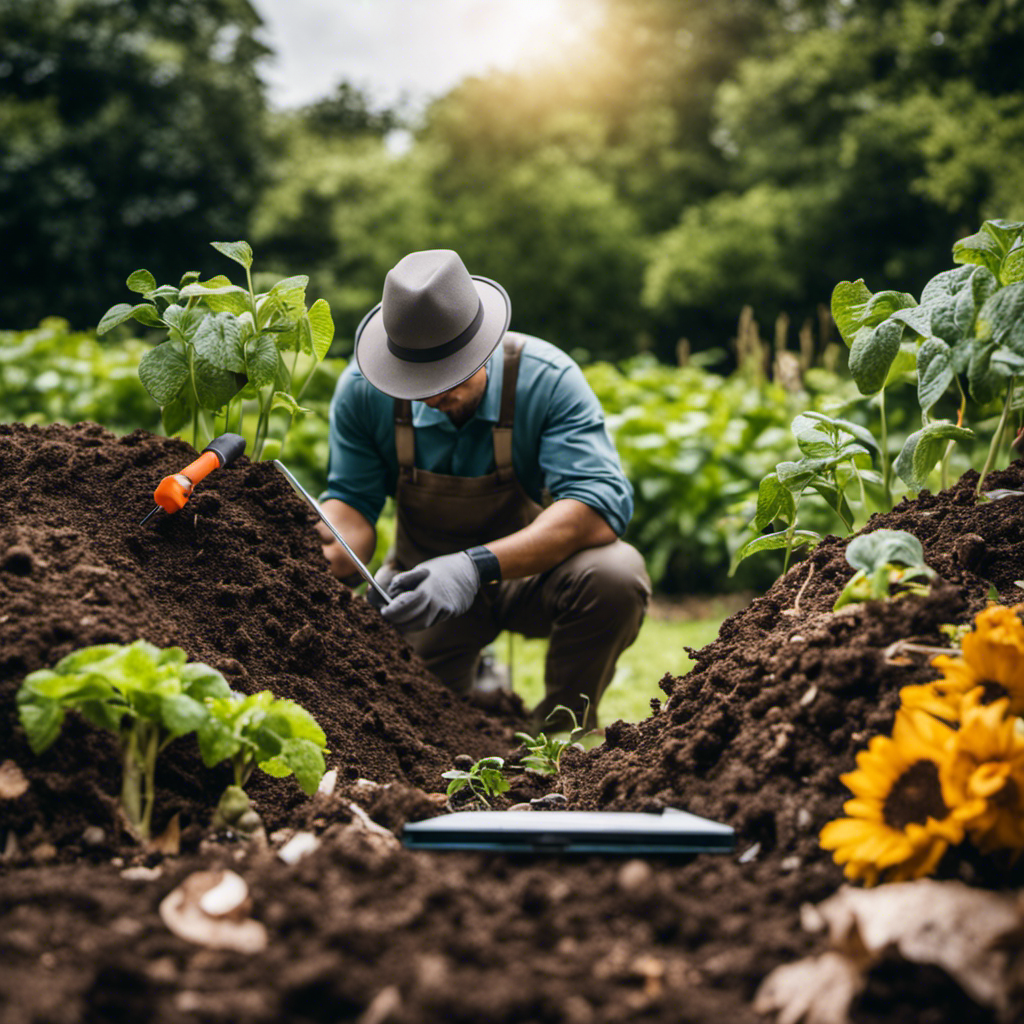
[(591, 606)]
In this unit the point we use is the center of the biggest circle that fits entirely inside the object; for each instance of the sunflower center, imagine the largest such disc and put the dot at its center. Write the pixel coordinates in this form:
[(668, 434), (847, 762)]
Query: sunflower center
[(915, 796), (991, 691)]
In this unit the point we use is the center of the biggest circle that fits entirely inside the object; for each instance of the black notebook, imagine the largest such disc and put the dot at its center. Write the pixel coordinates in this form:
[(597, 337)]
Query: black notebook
[(570, 832)]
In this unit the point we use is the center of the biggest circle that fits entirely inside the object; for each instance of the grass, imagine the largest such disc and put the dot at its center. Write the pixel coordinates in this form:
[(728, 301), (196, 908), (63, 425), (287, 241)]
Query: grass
[(658, 649)]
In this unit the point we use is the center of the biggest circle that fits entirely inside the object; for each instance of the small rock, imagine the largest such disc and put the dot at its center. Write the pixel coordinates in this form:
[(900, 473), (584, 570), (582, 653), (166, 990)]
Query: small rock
[(12, 781), (182, 912), (140, 873), (18, 560), (43, 853), (633, 875), (521, 807), (796, 638), (803, 818), (384, 1007), (749, 854), (463, 762), (809, 696), (227, 898), (328, 782), (790, 863), (549, 801), (302, 844), (10, 850)]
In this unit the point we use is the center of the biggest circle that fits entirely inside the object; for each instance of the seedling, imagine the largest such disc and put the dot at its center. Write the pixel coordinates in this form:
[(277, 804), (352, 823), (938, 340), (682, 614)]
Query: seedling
[(484, 779), (146, 696), (545, 752), (884, 559), (275, 734), (225, 345)]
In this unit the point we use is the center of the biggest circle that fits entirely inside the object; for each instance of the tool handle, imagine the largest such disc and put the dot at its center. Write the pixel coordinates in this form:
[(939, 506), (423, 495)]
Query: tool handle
[(202, 467), (228, 447)]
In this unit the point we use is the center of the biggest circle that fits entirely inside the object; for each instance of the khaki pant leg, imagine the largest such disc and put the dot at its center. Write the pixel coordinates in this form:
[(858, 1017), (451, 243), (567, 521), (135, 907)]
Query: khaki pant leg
[(451, 649), (591, 606)]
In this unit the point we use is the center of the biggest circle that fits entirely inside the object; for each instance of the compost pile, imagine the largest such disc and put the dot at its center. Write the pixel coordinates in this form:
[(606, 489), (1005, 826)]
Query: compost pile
[(756, 736)]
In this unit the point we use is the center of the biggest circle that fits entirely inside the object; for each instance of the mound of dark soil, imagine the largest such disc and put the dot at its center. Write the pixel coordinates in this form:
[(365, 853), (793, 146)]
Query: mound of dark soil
[(238, 580), (756, 735)]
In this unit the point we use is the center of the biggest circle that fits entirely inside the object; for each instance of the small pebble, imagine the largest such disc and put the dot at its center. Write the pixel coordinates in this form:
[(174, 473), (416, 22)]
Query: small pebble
[(140, 873), (790, 863), (809, 696), (328, 782), (633, 875), (463, 762), (803, 818), (93, 836), (300, 845), (521, 807), (549, 800), (749, 854), (796, 638)]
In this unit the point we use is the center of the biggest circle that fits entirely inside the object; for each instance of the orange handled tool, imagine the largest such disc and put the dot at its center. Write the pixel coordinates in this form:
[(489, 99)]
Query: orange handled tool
[(174, 491)]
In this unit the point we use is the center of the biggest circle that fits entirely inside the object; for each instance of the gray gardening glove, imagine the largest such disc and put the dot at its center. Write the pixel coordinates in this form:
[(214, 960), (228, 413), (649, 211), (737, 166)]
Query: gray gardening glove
[(384, 575), (438, 589)]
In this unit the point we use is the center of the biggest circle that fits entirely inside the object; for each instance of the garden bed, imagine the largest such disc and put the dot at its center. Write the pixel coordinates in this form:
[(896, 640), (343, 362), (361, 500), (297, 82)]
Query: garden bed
[(755, 735)]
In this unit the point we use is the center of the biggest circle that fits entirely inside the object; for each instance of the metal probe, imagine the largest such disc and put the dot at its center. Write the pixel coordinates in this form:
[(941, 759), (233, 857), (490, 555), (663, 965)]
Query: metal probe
[(315, 506)]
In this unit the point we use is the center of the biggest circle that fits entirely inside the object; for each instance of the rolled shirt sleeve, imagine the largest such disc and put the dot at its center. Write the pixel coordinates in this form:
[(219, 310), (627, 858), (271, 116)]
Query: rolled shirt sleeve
[(359, 469), (576, 456)]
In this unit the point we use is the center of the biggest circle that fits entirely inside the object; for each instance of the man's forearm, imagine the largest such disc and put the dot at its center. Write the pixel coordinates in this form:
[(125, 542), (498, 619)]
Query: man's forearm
[(562, 529), (359, 534)]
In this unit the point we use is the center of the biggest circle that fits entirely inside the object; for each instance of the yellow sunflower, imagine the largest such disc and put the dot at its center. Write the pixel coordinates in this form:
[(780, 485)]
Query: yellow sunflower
[(898, 825), (993, 657), (983, 777)]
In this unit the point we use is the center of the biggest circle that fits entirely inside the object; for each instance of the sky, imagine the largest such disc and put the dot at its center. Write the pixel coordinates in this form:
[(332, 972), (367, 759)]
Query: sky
[(415, 48)]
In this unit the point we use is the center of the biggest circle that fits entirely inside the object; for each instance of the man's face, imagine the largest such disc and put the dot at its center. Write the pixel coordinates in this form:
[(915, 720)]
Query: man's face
[(460, 402)]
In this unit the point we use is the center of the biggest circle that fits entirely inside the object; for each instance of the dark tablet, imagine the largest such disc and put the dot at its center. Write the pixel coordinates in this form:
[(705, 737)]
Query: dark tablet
[(558, 832)]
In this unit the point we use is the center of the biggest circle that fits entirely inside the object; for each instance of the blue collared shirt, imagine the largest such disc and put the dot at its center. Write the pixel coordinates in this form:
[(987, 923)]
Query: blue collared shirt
[(560, 444)]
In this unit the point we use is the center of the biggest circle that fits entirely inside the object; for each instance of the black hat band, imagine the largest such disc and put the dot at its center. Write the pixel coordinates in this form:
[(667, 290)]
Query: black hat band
[(449, 348)]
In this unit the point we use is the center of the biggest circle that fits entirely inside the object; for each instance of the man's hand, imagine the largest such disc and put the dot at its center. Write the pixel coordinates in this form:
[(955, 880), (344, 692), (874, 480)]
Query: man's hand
[(438, 589)]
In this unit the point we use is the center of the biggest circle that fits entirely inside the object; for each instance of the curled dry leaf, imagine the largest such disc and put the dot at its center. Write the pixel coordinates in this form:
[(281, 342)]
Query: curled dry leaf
[(972, 934), (817, 990), (187, 912), (948, 924), (12, 781)]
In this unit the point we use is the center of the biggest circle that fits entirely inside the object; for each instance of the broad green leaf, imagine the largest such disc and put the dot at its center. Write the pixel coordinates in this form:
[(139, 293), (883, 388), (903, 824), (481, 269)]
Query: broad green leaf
[(883, 305), (288, 718), (871, 551), (286, 299), (167, 292), (904, 363), (943, 317), (849, 298), (163, 371), (141, 281), (944, 286), (144, 312), (219, 341), (42, 721), (261, 359), (934, 372), (983, 382), (177, 413), (1012, 269), (240, 252), (217, 741), (923, 449), (917, 318), (306, 760), (213, 289), (1003, 314), (214, 387), (872, 354), (774, 501), (189, 277), (862, 434), (1006, 362), (181, 714), (183, 322), (201, 682), (982, 249), (775, 541), (321, 328)]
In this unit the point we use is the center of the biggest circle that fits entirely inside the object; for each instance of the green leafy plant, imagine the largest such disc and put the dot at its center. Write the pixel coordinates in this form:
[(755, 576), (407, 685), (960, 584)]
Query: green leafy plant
[(484, 779), (225, 346), (260, 730), (884, 559), (545, 752), (964, 337), (146, 696), (830, 448)]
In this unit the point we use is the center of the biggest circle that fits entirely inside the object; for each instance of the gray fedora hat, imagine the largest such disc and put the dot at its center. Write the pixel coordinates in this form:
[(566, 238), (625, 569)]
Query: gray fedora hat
[(435, 327)]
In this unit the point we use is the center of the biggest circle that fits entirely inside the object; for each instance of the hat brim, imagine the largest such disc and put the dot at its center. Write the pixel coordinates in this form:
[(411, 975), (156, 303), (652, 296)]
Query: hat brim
[(400, 378)]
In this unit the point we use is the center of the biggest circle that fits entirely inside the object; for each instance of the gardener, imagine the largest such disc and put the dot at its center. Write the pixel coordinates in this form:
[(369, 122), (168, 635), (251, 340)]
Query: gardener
[(510, 496)]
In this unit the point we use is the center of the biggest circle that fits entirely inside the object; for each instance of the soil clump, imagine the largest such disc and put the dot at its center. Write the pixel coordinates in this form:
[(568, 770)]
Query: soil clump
[(756, 735)]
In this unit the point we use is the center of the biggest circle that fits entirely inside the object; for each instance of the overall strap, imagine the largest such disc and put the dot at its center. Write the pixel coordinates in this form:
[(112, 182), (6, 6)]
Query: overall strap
[(405, 442), (513, 346)]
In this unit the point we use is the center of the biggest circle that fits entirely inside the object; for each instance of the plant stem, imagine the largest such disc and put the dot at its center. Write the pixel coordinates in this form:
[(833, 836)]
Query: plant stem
[(152, 746), (131, 780), (886, 468), (997, 437), (951, 445)]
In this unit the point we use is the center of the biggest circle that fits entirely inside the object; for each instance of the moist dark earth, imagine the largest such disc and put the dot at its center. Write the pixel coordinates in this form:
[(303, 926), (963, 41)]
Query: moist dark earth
[(361, 929)]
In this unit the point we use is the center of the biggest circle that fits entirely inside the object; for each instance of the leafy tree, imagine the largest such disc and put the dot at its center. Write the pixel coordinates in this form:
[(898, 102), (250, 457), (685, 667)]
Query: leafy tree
[(132, 135)]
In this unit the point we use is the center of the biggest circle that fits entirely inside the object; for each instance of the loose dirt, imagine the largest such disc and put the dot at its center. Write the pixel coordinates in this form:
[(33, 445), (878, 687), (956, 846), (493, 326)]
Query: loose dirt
[(755, 735)]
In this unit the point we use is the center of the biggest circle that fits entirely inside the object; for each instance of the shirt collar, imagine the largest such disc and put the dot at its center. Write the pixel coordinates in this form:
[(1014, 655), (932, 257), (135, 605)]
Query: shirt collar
[(489, 408)]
